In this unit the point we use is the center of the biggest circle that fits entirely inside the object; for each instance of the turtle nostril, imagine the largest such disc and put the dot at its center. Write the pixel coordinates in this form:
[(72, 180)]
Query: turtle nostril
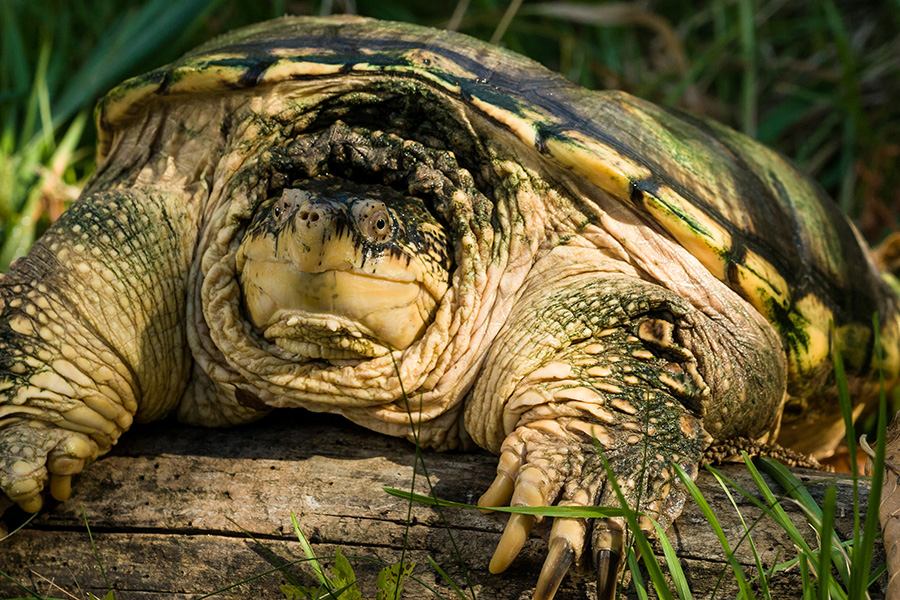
[(308, 216)]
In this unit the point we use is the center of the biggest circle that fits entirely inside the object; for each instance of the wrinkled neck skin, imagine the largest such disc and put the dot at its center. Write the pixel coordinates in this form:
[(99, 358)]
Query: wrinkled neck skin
[(239, 373)]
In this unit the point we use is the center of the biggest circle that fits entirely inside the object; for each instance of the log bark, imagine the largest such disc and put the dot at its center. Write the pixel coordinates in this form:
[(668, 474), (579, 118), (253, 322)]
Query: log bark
[(180, 512)]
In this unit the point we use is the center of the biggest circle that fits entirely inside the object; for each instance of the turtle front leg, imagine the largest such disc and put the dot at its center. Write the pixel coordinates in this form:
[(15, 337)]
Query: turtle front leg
[(619, 364), (604, 394), (91, 338)]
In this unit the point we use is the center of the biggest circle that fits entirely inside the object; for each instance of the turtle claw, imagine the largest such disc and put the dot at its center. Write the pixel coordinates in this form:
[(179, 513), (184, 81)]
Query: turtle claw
[(516, 533), (609, 547), (504, 484), (498, 494), (32, 504), (607, 573), (560, 556), (60, 487)]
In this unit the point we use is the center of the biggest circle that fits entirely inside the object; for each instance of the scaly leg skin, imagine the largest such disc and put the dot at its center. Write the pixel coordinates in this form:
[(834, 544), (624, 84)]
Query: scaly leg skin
[(627, 365), (91, 338)]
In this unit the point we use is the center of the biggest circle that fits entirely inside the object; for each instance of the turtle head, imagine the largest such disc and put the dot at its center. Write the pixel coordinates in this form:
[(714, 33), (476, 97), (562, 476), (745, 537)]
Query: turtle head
[(334, 269)]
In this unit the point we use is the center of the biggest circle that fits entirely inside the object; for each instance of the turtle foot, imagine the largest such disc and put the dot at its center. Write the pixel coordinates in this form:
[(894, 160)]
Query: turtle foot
[(547, 463), (34, 454)]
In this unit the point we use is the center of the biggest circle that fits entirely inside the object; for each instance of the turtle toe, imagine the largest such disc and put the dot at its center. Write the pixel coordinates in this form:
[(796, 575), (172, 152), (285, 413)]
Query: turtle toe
[(37, 455)]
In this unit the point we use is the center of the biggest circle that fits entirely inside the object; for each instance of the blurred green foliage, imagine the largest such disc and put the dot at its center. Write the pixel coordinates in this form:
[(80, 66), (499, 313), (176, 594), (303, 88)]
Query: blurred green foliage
[(816, 79)]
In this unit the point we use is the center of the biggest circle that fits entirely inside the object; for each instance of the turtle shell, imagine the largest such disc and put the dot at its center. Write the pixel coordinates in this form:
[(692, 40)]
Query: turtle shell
[(745, 212)]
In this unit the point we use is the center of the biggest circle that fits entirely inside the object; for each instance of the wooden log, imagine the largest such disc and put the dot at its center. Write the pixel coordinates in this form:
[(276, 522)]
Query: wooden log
[(180, 512)]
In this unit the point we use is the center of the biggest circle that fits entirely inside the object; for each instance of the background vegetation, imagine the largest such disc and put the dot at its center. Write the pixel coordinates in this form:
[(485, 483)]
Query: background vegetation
[(817, 79)]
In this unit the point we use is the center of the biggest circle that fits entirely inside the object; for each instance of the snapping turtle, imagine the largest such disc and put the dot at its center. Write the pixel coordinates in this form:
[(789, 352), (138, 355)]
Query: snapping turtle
[(409, 227)]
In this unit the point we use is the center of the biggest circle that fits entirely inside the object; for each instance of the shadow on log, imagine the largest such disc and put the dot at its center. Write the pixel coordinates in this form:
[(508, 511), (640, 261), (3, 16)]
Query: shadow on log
[(172, 509)]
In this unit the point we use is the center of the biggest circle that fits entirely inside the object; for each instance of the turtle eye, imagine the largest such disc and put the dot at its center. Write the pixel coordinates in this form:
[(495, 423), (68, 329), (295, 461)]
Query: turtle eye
[(377, 226), (373, 219)]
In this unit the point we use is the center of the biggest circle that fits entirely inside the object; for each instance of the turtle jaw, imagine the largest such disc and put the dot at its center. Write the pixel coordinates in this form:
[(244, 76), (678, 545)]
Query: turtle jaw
[(334, 313)]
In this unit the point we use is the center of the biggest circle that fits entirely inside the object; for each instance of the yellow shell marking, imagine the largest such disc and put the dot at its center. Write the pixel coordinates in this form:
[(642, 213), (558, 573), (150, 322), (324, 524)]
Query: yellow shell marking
[(762, 283)]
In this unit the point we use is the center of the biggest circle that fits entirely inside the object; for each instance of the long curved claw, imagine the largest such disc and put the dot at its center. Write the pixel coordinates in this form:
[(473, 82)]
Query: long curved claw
[(609, 547), (566, 544), (498, 494), (514, 536), (556, 565), (607, 563), (530, 490)]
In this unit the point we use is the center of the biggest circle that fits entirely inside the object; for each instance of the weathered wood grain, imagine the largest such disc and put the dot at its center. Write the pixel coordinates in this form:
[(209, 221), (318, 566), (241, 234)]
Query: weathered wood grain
[(172, 510)]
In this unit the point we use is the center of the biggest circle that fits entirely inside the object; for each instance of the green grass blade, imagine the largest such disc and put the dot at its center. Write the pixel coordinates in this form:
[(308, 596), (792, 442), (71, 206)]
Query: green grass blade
[(808, 586), (133, 38), (24, 588), (459, 593), (640, 588), (793, 487), (825, 532), (94, 549), (840, 376), (857, 577), (577, 512), (310, 555), (697, 495), (774, 508), (11, 533), (675, 570)]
